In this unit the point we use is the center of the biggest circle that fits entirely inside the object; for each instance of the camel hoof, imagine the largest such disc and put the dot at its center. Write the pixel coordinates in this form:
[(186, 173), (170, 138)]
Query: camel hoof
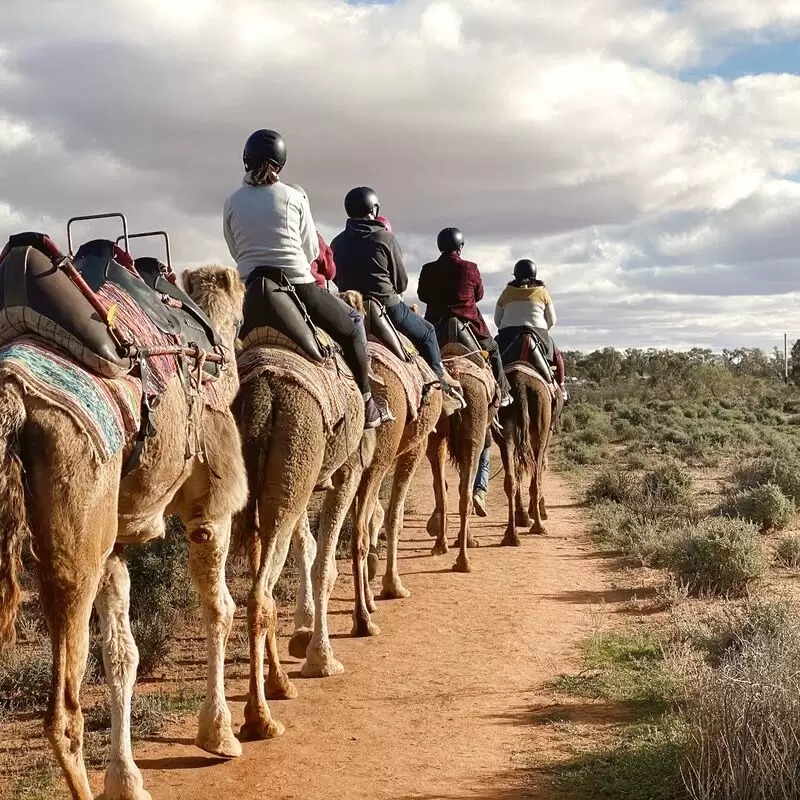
[(395, 592), (538, 530), (473, 542), (373, 562), (543, 513), (511, 539), (123, 781), (523, 521), (433, 525), (138, 794), (369, 602), (299, 642), (440, 549), (224, 746), (321, 667), (280, 690), (462, 565), (259, 730), (363, 628)]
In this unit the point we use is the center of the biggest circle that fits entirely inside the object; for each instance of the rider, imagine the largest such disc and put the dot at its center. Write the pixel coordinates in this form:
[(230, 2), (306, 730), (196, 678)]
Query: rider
[(452, 287), (525, 305), (269, 230), (369, 260)]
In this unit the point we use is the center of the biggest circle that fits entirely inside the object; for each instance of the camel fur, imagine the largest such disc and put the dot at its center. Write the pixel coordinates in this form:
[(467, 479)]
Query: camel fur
[(80, 514)]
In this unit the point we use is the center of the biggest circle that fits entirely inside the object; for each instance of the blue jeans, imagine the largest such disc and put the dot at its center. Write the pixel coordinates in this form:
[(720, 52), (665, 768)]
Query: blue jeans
[(419, 331), (482, 476)]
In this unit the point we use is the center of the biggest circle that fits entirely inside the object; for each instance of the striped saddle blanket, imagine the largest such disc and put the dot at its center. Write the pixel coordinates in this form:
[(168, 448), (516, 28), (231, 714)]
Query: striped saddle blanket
[(415, 375), (460, 366)]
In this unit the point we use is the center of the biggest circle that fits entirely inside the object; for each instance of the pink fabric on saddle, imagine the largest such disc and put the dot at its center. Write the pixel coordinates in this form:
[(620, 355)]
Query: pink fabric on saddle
[(532, 372), (330, 384), (461, 366), (414, 375)]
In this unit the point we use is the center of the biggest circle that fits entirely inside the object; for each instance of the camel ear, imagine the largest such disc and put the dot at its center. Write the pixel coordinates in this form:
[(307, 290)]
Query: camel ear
[(187, 278), (228, 280)]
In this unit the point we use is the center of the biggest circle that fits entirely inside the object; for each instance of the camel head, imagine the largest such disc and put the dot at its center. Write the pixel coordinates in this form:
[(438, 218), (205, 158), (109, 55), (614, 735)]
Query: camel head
[(354, 300), (219, 291)]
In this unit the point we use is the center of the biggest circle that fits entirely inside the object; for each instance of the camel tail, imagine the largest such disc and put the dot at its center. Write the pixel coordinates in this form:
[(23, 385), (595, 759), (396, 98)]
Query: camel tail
[(13, 518), (524, 458), (253, 410)]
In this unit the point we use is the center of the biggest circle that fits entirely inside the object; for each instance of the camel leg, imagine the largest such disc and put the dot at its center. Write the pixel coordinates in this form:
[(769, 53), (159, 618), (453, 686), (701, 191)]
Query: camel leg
[(541, 473), (123, 780), (405, 468), (320, 662), (304, 547), (507, 455), (364, 603), (208, 550), (466, 481), (437, 456), (375, 526), (537, 528), (522, 517)]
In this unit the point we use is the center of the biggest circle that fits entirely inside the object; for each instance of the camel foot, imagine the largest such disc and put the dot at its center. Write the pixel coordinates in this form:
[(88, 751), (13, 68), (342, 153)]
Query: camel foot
[(511, 539), (364, 627), (280, 688), (433, 525), (537, 529), (369, 601), (260, 729), (214, 733), (321, 664), (440, 548), (462, 565), (523, 520), (472, 543), (543, 512), (124, 782), (394, 590), (373, 562), (299, 642)]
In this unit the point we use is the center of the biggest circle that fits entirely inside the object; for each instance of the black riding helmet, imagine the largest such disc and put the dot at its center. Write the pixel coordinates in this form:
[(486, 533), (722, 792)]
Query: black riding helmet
[(449, 240), (264, 146), (361, 202), (525, 270)]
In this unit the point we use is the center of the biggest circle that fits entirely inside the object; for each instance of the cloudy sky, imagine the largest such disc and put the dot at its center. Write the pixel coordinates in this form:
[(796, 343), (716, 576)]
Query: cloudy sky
[(645, 153)]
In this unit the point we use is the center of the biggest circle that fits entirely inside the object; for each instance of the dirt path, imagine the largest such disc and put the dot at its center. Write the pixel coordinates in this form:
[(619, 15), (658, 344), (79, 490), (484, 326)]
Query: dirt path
[(439, 706)]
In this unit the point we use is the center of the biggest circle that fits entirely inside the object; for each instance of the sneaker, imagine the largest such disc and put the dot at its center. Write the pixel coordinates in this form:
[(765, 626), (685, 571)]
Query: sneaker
[(384, 410), (479, 503), (506, 400), (452, 400), (372, 416)]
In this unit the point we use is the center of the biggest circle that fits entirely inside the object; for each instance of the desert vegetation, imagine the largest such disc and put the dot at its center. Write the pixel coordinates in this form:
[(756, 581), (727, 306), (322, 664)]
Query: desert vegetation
[(690, 468)]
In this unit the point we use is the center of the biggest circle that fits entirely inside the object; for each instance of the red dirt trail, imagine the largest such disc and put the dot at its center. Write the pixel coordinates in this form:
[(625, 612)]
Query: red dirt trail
[(440, 706)]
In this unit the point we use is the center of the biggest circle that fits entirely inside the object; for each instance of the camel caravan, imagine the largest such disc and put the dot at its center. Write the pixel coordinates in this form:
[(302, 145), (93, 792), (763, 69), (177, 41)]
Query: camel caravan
[(229, 397)]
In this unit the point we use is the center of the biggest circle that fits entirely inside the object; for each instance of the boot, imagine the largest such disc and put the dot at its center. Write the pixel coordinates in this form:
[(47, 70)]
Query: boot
[(372, 415), (479, 502)]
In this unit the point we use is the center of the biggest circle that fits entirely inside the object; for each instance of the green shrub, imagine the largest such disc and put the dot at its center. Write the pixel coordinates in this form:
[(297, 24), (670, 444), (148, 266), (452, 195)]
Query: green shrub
[(24, 679), (765, 506), (580, 453), (613, 484), (717, 556), (787, 551), (782, 469), (668, 484)]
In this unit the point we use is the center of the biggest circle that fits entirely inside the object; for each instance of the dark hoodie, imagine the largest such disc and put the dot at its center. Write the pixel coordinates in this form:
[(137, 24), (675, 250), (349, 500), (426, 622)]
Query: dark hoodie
[(369, 260)]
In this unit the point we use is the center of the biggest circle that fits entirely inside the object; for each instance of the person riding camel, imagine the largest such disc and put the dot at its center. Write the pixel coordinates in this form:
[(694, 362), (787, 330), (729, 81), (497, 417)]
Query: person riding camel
[(525, 305), (452, 287), (369, 260), (270, 232)]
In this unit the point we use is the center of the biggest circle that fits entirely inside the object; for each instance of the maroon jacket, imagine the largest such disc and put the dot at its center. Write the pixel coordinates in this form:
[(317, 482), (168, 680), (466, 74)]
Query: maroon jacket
[(452, 287), (323, 267)]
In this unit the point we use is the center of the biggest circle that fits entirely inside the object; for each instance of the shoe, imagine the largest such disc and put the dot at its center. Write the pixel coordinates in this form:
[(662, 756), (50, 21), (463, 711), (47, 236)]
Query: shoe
[(452, 400), (372, 416), (479, 503), (506, 400), (384, 410)]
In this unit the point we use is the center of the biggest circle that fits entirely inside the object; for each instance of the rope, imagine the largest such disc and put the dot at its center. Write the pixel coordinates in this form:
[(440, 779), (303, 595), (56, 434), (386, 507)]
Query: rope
[(462, 355)]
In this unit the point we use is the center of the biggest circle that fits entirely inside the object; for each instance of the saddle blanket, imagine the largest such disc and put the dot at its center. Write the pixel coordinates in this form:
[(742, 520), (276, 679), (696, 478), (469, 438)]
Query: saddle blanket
[(531, 371), (414, 375), (460, 366), (329, 383), (105, 410)]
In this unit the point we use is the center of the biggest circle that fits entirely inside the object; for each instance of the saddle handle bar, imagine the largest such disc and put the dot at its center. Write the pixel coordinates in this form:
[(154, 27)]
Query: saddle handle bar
[(146, 234), (111, 215)]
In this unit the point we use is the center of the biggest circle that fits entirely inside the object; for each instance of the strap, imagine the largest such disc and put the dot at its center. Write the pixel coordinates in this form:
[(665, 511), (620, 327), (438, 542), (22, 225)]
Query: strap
[(147, 428)]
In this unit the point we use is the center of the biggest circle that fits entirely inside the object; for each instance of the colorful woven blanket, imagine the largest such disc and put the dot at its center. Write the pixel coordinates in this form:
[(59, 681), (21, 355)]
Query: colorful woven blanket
[(330, 384), (415, 375), (106, 411), (531, 371), (461, 366)]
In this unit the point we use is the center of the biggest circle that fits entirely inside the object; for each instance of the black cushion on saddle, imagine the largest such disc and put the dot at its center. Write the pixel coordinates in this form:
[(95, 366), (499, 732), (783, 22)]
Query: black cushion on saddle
[(96, 261), (197, 326), (267, 304), (378, 324), (452, 330)]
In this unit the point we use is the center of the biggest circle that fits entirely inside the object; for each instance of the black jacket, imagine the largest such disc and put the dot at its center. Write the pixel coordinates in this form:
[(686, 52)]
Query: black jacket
[(369, 260)]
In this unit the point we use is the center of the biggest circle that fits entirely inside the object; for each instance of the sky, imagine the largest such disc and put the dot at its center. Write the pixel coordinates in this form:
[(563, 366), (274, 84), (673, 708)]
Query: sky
[(646, 154)]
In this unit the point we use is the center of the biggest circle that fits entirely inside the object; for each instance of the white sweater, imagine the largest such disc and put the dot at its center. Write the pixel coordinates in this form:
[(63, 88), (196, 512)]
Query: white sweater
[(271, 226), (524, 306)]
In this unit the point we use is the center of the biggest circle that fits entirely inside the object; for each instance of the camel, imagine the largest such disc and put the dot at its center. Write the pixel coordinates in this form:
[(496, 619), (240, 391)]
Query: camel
[(463, 435), (80, 514), (400, 444), (288, 453), (526, 430)]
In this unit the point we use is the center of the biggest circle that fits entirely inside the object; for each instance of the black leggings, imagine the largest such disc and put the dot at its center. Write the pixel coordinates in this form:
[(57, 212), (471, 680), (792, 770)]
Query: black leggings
[(490, 346), (330, 313)]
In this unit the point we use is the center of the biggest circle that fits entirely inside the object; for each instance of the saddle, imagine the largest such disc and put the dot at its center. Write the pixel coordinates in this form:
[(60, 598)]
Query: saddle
[(382, 329), (528, 348), (272, 311), (44, 293), (452, 330)]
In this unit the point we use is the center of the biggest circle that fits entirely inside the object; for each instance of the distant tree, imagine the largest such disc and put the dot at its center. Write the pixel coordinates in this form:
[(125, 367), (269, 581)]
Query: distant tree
[(794, 363)]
